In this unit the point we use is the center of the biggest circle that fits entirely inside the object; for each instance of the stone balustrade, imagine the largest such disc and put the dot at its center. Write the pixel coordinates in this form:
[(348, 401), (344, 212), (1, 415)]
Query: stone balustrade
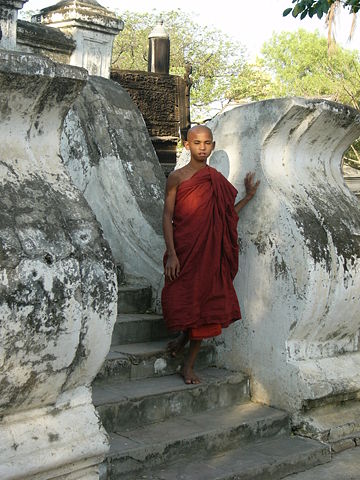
[(109, 156), (299, 238), (57, 283)]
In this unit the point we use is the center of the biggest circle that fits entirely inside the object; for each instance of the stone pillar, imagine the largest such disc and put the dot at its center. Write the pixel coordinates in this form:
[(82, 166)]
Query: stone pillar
[(8, 19), (92, 26), (184, 103), (299, 274), (159, 50), (57, 284)]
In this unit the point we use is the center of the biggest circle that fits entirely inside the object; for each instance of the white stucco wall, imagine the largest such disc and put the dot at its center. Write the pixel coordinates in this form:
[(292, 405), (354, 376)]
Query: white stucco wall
[(298, 281), (109, 155), (58, 290)]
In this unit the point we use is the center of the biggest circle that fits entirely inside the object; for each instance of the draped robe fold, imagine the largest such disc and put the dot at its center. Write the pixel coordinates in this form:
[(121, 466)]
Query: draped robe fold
[(203, 299)]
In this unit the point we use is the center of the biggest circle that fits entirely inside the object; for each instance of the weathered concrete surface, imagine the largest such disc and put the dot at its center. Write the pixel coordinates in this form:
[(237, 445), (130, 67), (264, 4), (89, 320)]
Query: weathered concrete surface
[(139, 328), (159, 420), (210, 437), (344, 466), (132, 299), (298, 280), (266, 459), (128, 405), (43, 40), (93, 28), (108, 153), (57, 283), (8, 18), (337, 424), (144, 360)]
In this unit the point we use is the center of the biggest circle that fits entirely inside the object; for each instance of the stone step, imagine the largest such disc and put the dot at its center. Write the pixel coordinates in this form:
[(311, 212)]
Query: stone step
[(207, 432), (134, 298), (337, 424), (267, 459), (343, 466), (137, 328), (140, 402), (149, 359)]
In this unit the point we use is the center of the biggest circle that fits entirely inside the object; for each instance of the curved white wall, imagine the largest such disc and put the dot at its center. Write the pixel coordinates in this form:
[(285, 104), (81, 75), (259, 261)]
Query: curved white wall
[(298, 281)]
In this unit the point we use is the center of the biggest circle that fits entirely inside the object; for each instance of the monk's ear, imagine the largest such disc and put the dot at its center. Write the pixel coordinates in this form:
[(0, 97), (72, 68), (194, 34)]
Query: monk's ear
[(186, 145), (213, 146)]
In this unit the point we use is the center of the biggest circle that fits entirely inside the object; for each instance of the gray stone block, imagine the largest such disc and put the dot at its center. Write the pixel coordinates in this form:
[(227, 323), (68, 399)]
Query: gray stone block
[(134, 299), (269, 459), (149, 359), (343, 444), (333, 423), (137, 328), (128, 405), (204, 433), (344, 466)]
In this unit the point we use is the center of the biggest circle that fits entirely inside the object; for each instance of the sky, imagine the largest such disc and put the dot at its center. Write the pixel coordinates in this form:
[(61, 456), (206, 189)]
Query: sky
[(248, 21)]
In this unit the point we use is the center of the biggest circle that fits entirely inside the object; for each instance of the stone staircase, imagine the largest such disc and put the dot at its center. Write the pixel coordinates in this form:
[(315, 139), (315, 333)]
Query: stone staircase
[(162, 429)]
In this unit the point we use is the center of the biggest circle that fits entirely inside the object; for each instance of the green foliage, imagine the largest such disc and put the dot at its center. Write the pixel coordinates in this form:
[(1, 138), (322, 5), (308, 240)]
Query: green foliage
[(253, 83), (214, 57), (352, 155), (319, 7), (299, 65)]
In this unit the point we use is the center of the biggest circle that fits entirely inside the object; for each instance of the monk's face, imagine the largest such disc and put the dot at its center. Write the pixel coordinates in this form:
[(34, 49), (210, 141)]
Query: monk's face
[(200, 143)]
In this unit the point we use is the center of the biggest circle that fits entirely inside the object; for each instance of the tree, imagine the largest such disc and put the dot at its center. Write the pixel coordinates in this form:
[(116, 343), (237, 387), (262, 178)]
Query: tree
[(214, 57), (253, 83), (299, 65), (320, 7)]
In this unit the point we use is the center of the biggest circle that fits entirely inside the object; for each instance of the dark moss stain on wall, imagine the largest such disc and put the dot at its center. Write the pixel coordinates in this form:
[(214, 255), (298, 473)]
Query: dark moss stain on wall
[(53, 437), (59, 236), (336, 217), (113, 126), (261, 243), (280, 268)]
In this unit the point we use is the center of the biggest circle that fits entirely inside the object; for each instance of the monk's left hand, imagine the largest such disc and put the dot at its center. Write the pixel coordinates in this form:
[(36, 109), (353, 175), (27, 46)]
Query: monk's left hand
[(250, 186)]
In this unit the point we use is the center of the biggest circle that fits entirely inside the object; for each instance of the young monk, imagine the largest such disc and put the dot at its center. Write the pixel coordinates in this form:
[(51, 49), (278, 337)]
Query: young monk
[(201, 259)]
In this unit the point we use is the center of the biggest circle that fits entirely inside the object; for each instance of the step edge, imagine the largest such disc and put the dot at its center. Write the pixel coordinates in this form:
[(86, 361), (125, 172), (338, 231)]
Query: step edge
[(239, 377), (247, 470), (151, 352), (277, 416)]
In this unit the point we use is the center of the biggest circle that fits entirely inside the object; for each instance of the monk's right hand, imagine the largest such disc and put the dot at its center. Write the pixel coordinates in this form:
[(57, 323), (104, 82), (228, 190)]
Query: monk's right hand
[(172, 267)]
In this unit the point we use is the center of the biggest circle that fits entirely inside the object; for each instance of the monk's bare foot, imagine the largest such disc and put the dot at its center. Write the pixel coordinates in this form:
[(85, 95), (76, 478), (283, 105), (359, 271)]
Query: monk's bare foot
[(189, 376), (177, 346)]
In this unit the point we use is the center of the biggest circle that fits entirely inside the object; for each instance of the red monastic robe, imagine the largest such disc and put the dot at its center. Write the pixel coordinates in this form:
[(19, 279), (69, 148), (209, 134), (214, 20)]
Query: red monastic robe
[(202, 299)]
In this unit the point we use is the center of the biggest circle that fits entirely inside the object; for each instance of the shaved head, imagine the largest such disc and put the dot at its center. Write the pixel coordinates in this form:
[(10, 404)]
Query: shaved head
[(198, 129)]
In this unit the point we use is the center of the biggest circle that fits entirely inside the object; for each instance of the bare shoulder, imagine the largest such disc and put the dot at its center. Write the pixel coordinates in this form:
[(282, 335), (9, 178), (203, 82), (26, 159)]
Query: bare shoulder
[(184, 173), (173, 179)]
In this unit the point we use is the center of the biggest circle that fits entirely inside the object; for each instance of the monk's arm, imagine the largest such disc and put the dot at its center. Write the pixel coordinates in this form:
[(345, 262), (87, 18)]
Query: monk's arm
[(250, 188), (172, 267)]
